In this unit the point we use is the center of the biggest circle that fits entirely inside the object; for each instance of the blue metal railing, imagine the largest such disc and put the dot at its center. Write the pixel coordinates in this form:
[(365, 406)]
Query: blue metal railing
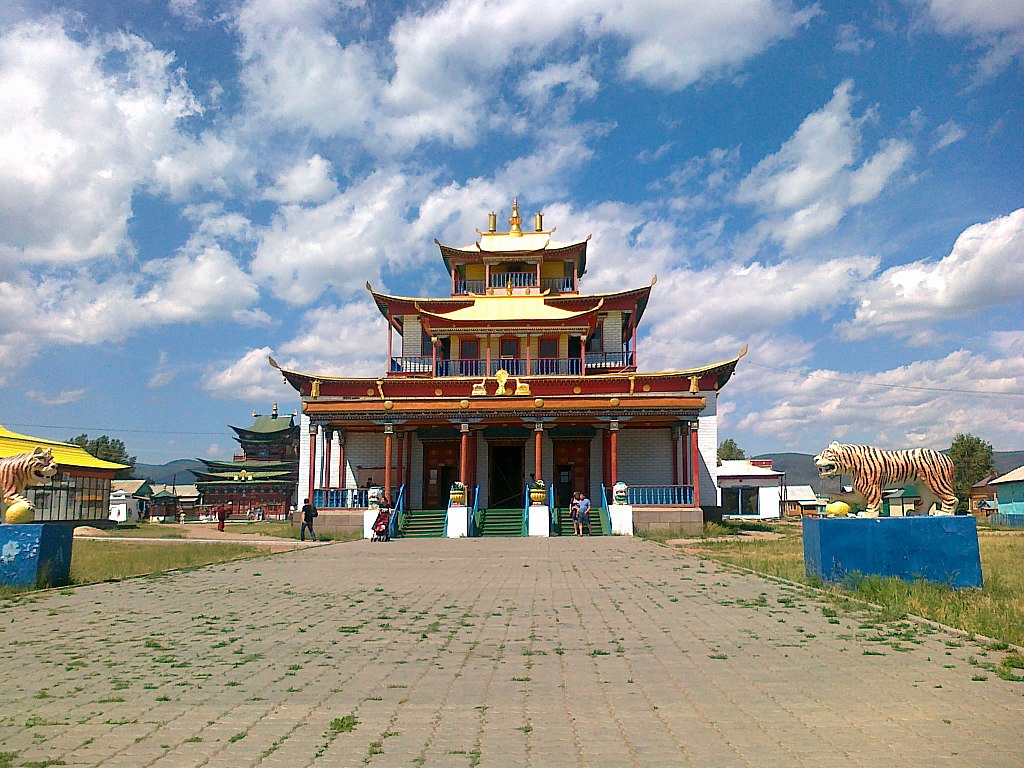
[(609, 359), (551, 509), (525, 510), (604, 496), (475, 514), (340, 498), (518, 279), (659, 495), (412, 364), (470, 286), (557, 284), (397, 510)]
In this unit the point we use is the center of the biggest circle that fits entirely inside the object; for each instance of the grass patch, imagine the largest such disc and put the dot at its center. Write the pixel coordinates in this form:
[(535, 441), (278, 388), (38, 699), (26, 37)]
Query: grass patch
[(344, 724), (93, 561), (993, 611)]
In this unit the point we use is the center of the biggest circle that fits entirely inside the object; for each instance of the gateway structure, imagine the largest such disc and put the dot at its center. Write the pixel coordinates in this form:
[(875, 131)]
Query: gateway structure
[(516, 376)]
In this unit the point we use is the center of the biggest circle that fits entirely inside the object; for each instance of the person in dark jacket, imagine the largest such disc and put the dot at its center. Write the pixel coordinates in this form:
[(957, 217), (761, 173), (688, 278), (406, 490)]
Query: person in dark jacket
[(308, 513)]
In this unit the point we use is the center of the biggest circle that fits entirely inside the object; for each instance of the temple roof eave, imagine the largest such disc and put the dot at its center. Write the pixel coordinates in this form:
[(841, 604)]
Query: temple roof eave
[(722, 370), (480, 253)]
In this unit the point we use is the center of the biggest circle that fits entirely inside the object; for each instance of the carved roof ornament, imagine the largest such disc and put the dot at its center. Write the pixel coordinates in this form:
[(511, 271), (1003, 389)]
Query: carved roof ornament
[(515, 220)]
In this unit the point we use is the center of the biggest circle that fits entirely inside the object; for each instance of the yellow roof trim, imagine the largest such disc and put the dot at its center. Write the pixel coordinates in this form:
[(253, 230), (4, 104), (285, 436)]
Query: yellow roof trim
[(526, 308), (65, 454)]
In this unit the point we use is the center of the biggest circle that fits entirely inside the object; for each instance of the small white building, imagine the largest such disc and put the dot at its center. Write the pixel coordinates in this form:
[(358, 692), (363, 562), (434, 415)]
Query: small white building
[(750, 489), (129, 500), (801, 500)]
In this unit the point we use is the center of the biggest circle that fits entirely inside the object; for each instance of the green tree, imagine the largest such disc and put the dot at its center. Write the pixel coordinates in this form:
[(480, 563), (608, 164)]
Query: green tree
[(108, 449), (728, 450), (972, 461)]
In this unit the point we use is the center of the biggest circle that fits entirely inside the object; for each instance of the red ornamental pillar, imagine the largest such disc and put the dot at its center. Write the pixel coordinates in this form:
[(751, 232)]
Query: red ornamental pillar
[(538, 456), (401, 458), (694, 465), (389, 431), (613, 428), (464, 454), (583, 355), (408, 457), (312, 459)]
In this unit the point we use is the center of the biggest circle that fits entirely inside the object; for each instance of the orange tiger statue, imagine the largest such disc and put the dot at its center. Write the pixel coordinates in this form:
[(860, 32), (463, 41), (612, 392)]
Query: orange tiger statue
[(19, 472), (872, 469)]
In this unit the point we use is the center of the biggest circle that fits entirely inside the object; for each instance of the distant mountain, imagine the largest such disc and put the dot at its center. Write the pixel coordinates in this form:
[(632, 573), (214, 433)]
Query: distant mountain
[(176, 471), (799, 468)]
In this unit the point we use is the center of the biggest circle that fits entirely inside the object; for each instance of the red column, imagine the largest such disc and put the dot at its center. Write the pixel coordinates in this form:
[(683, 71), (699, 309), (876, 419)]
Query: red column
[(694, 465), (388, 435), (401, 458), (408, 462), (528, 366), (614, 429), (634, 340), (433, 359), (312, 459), (464, 455), (606, 458), (488, 371), (538, 455), (583, 355)]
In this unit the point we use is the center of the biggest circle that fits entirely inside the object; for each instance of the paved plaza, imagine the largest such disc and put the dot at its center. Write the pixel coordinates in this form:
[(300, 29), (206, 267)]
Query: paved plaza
[(487, 652)]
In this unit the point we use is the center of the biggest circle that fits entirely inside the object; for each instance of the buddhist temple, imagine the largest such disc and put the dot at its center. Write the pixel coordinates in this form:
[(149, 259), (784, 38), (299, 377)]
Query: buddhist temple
[(515, 377), (262, 478)]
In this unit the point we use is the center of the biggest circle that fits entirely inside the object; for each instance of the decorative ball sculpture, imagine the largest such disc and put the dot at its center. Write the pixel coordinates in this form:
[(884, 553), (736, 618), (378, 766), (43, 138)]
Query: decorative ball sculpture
[(837, 509)]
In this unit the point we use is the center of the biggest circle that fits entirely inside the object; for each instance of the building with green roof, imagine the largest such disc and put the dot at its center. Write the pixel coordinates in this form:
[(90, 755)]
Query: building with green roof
[(264, 476)]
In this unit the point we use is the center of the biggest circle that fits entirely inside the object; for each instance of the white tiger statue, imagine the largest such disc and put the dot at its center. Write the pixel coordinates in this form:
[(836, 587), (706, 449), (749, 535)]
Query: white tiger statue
[(873, 469), (16, 474)]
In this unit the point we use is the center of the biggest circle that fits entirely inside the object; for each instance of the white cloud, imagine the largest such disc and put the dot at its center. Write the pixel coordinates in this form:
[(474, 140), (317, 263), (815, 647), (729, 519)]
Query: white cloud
[(308, 181), (946, 134), (849, 40), (919, 404), (342, 340), (996, 25), (62, 398), (439, 71), (250, 378), (985, 268), (806, 188), (76, 141)]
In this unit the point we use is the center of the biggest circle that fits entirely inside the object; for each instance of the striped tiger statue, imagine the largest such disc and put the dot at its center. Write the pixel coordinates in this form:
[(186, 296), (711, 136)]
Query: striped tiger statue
[(19, 472), (873, 469)]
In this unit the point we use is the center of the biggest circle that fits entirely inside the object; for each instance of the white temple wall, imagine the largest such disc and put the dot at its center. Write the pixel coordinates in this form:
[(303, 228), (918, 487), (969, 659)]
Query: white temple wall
[(612, 332), (707, 446), (645, 456), (412, 336)]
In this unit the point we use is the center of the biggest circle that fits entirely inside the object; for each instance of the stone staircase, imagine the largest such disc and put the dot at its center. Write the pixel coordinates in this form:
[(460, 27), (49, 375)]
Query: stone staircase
[(599, 522), (424, 523), (501, 522)]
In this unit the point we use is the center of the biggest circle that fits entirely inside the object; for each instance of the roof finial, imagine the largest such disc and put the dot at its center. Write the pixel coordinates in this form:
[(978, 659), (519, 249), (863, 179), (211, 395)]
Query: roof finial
[(515, 221), (492, 222)]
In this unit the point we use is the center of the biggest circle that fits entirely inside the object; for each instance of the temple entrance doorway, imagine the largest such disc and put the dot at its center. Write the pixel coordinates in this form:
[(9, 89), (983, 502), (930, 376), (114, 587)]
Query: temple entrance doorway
[(572, 470), (506, 476), (440, 470)]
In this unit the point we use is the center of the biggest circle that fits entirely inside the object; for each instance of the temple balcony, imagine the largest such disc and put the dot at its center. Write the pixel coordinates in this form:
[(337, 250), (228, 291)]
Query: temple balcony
[(520, 282), (596, 362)]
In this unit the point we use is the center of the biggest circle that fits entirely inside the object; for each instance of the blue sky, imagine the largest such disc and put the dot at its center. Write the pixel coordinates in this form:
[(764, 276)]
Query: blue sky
[(188, 186)]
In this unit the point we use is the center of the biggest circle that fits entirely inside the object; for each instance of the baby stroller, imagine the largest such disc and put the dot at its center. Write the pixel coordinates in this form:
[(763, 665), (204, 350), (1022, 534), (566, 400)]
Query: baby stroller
[(381, 524)]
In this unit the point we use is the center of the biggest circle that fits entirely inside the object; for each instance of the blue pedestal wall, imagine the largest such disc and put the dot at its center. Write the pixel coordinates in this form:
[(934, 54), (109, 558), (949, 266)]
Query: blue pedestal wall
[(940, 549), (35, 554)]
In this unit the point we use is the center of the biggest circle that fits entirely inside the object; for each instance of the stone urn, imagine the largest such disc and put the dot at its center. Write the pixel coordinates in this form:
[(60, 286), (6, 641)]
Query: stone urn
[(457, 495), (538, 493)]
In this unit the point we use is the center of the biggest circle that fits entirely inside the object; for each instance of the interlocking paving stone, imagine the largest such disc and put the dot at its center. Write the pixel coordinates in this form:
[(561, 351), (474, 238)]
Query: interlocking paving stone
[(487, 652)]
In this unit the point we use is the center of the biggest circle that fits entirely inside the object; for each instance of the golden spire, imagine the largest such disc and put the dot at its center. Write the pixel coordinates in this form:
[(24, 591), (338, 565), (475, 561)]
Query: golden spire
[(515, 220)]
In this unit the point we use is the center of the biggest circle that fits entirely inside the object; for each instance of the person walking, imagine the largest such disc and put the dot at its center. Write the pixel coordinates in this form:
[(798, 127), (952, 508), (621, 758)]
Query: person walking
[(585, 515), (222, 515), (308, 513)]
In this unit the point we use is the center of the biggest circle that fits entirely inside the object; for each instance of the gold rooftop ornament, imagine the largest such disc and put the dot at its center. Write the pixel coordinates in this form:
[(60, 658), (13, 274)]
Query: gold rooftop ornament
[(514, 221)]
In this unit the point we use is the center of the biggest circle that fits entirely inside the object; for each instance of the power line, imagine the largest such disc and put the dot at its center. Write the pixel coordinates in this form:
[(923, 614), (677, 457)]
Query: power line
[(845, 380), (114, 429)]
